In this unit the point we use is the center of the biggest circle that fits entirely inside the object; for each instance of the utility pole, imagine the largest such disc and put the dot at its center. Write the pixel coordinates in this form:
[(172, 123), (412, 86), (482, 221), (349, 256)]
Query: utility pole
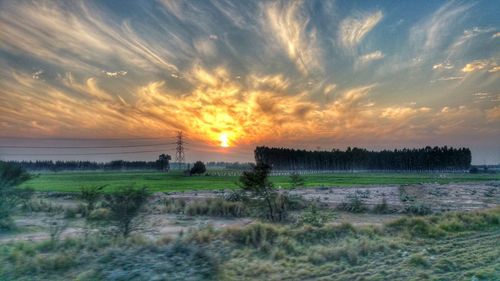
[(179, 150)]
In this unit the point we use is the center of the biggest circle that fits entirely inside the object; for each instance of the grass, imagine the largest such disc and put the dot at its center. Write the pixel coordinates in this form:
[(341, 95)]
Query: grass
[(451, 246), (176, 181)]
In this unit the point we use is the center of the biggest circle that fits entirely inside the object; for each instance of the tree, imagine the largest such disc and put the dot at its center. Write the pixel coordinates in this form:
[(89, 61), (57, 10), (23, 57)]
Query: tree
[(257, 183), (125, 206), (163, 163), (198, 168), (10, 177), (296, 180), (91, 195)]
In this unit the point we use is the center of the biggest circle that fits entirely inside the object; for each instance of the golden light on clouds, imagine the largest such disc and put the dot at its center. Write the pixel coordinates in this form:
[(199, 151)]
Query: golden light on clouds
[(246, 74)]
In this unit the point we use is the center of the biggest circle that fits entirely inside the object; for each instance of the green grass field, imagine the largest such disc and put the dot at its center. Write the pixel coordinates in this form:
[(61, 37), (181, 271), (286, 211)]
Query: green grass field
[(175, 181)]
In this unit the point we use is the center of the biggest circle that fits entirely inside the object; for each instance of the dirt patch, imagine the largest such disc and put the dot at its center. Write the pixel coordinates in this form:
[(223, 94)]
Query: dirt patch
[(448, 197), (155, 223)]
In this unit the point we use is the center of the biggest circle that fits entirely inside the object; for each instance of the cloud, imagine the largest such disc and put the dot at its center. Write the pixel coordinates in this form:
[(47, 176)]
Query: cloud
[(37, 74), (400, 113), (377, 55), (443, 66), (494, 69), (448, 78), (495, 35), (115, 74), (288, 23), (479, 65), (354, 29), (432, 31), (493, 114)]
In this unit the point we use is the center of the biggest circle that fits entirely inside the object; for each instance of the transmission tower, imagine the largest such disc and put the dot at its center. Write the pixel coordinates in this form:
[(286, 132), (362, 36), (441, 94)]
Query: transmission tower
[(179, 150)]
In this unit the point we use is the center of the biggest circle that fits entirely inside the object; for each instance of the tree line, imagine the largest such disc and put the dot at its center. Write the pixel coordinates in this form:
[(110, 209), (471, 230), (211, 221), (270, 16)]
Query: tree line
[(161, 164), (406, 159)]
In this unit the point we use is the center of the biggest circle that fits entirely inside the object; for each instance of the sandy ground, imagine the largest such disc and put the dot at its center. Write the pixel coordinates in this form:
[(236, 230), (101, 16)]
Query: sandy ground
[(439, 197), (35, 226)]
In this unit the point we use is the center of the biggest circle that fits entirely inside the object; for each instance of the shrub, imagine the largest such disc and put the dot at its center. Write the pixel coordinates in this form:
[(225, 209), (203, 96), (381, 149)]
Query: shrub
[(10, 177), (418, 260), (353, 204), (313, 216), (198, 168), (257, 183), (381, 208), (418, 209), (216, 207), (124, 206), (257, 234), (236, 195), (90, 195), (99, 214)]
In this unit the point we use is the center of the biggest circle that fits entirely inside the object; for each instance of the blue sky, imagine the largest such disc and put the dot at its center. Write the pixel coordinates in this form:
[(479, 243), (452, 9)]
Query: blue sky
[(308, 74)]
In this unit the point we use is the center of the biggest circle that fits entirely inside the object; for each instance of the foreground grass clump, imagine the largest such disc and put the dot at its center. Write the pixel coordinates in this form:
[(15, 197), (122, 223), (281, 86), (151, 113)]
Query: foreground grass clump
[(104, 258), (452, 246), (217, 207), (442, 225)]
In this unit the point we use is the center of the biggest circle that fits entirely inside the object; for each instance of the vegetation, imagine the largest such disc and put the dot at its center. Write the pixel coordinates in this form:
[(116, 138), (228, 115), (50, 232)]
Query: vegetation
[(257, 183), (423, 159), (354, 204), (176, 181), (10, 177), (125, 205), (452, 246), (198, 168), (217, 207), (163, 162), (297, 180), (90, 195)]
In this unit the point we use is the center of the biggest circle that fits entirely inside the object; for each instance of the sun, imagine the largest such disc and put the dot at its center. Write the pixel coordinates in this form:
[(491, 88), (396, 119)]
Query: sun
[(223, 140)]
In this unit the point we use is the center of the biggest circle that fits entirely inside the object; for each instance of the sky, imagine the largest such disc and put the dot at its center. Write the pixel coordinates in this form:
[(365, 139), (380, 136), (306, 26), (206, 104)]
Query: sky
[(236, 74)]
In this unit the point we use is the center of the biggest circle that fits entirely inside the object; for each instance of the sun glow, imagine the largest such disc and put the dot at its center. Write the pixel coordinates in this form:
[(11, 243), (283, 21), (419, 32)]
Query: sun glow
[(223, 140)]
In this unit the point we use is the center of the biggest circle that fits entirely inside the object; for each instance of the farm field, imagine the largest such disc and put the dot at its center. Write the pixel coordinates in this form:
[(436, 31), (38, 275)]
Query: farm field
[(176, 181)]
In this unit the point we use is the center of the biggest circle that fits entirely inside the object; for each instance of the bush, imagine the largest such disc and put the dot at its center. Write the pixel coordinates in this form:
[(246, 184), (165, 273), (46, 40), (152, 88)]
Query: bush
[(198, 168), (256, 234), (313, 216), (354, 204), (265, 195), (124, 206), (99, 214), (216, 207), (381, 208), (418, 209), (10, 177), (90, 195), (177, 261)]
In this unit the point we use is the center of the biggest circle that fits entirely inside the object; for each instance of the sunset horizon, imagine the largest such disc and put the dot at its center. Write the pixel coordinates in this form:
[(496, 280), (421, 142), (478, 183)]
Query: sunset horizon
[(313, 75)]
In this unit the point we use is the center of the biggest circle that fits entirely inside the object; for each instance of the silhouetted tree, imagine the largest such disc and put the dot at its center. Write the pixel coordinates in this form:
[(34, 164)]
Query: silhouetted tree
[(198, 168), (163, 162), (436, 158)]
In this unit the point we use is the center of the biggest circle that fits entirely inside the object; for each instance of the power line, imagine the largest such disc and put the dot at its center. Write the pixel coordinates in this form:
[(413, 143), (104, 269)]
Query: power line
[(83, 154), (68, 147)]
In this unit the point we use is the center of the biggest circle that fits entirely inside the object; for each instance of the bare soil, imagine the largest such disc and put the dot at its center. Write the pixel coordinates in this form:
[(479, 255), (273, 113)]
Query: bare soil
[(155, 224)]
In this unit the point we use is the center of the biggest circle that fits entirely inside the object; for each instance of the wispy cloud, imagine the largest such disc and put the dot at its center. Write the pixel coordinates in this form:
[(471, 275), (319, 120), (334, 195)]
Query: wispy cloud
[(479, 65), (377, 55), (431, 32), (354, 29), (288, 23)]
